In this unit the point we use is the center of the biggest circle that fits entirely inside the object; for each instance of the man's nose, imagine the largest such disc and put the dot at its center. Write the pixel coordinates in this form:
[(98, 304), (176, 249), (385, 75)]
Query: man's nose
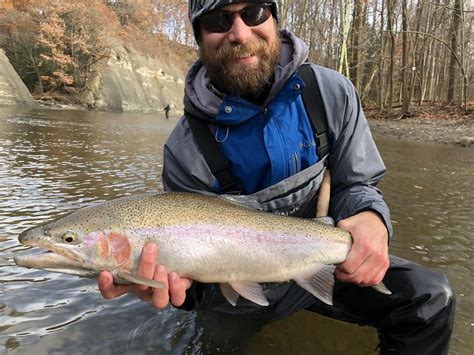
[(239, 32)]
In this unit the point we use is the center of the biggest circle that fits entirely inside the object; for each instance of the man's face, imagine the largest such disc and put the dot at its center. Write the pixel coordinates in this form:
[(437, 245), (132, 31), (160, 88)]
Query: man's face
[(242, 60)]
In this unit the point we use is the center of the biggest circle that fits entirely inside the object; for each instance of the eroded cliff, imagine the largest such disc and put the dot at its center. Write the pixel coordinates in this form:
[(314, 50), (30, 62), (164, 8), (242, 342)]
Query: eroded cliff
[(131, 81), (13, 91)]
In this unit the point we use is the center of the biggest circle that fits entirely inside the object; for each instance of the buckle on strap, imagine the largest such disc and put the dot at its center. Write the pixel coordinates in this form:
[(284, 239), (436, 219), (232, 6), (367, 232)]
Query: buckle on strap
[(322, 143)]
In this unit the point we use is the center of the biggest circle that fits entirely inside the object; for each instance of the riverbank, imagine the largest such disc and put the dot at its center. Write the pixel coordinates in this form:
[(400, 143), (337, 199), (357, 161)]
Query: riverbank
[(446, 125)]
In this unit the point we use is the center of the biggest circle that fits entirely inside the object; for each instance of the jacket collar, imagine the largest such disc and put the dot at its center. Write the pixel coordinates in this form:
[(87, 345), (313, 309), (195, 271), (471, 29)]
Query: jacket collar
[(201, 101)]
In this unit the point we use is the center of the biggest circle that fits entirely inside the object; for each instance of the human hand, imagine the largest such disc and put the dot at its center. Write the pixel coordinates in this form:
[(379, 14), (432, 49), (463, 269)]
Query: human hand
[(175, 290), (368, 259)]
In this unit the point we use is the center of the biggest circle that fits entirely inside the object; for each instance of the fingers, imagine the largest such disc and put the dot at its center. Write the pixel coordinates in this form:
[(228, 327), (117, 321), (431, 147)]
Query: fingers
[(160, 298), (357, 256), (379, 277), (107, 287), (146, 268), (364, 266), (369, 273), (368, 258), (187, 283), (175, 290)]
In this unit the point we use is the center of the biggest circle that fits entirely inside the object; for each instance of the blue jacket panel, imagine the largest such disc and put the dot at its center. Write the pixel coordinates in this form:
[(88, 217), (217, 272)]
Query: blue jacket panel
[(266, 145)]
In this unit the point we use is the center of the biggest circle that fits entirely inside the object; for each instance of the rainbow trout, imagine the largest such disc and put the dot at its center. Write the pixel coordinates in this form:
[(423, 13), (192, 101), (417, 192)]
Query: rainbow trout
[(204, 238)]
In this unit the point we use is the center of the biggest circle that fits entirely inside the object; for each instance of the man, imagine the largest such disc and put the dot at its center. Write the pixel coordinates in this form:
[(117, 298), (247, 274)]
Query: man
[(247, 88), (167, 110)]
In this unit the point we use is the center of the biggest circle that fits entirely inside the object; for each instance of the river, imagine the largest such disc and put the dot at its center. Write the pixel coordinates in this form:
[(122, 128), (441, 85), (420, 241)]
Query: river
[(54, 161)]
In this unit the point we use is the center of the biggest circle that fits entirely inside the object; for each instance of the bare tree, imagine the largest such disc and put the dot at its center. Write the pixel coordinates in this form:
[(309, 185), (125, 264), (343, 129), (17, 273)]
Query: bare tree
[(356, 46), (404, 81), (453, 66)]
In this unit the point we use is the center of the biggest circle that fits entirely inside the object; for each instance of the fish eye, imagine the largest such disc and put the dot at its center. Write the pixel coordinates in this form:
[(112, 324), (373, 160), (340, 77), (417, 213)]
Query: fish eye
[(70, 237), (46, 232)]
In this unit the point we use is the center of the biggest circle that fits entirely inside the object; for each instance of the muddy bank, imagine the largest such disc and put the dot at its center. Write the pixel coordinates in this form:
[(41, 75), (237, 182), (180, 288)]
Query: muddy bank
[(447, 126)]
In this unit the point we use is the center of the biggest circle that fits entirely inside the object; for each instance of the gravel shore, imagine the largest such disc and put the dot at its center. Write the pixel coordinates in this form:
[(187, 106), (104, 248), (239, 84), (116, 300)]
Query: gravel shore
[(455, 129)]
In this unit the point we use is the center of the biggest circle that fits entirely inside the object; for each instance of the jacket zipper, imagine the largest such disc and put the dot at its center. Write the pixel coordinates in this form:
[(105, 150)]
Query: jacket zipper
[(295, 162)]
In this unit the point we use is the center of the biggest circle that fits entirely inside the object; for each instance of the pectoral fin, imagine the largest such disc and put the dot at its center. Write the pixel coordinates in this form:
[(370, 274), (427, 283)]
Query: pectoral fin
[(135, 279), (230, 295), (251, 291), (319, 282)]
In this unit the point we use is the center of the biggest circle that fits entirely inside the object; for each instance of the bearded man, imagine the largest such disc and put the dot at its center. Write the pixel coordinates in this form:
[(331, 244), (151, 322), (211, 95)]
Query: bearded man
[(246, 91)]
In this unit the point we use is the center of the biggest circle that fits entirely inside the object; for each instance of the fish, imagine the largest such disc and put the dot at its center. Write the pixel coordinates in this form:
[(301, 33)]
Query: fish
[(208, 239)]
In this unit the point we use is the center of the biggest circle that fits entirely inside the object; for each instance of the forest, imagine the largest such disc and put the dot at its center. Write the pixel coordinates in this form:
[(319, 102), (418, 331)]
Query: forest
[(398, 53)]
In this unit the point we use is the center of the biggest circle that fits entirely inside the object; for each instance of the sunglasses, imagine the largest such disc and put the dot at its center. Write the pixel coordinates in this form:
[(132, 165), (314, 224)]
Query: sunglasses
[(222, 21)]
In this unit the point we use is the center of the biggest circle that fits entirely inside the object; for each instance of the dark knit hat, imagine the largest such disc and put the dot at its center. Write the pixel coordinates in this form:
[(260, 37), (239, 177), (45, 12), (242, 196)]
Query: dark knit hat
[(197, 8)]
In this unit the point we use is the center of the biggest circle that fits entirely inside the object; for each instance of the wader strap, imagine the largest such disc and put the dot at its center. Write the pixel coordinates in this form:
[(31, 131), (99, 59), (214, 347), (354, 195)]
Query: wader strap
[(313, 103), (218, 165)]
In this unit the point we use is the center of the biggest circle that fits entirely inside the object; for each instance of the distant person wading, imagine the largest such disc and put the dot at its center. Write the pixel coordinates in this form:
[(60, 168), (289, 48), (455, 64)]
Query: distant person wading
[(167, 110)]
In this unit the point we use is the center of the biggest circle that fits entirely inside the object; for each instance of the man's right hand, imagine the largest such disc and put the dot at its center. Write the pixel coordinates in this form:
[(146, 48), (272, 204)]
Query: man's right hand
[(174, 293)]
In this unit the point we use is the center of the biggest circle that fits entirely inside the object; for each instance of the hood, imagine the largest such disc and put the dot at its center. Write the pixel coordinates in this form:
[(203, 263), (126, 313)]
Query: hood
[(200, 101)]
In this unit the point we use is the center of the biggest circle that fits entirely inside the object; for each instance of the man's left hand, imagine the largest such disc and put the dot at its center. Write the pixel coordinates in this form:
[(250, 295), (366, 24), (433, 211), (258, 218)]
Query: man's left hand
[(368, 260)]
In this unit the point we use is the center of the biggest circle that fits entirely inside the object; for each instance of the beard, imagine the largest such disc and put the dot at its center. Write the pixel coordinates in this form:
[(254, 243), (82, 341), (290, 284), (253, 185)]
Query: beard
[(245, 80)]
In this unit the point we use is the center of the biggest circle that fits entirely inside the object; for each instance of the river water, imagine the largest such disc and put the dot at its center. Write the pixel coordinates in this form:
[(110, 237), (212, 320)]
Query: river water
[(54, 161)]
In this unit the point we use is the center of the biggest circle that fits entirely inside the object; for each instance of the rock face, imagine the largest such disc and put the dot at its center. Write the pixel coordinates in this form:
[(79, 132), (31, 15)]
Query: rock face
[(128, 82), (13, 91), (133, 82)]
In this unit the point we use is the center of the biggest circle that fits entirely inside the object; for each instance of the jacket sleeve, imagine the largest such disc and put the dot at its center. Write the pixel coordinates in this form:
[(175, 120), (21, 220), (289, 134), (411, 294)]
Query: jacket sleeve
[(355, 162)]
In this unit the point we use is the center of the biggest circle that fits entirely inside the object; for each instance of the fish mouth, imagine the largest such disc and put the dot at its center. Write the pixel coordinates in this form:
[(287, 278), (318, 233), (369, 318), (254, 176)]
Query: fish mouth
[(47, 255), (51, 261)]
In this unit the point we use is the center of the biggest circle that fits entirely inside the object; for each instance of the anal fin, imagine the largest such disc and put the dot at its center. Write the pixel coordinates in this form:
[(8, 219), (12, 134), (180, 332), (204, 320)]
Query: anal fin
[(319, 282)]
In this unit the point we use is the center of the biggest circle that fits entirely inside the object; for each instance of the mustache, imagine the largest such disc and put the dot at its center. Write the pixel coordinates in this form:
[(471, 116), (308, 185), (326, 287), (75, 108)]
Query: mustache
[(230, 51)]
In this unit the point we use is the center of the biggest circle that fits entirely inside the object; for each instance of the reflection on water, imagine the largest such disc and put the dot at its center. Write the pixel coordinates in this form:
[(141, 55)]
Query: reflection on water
[(55, 161)]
